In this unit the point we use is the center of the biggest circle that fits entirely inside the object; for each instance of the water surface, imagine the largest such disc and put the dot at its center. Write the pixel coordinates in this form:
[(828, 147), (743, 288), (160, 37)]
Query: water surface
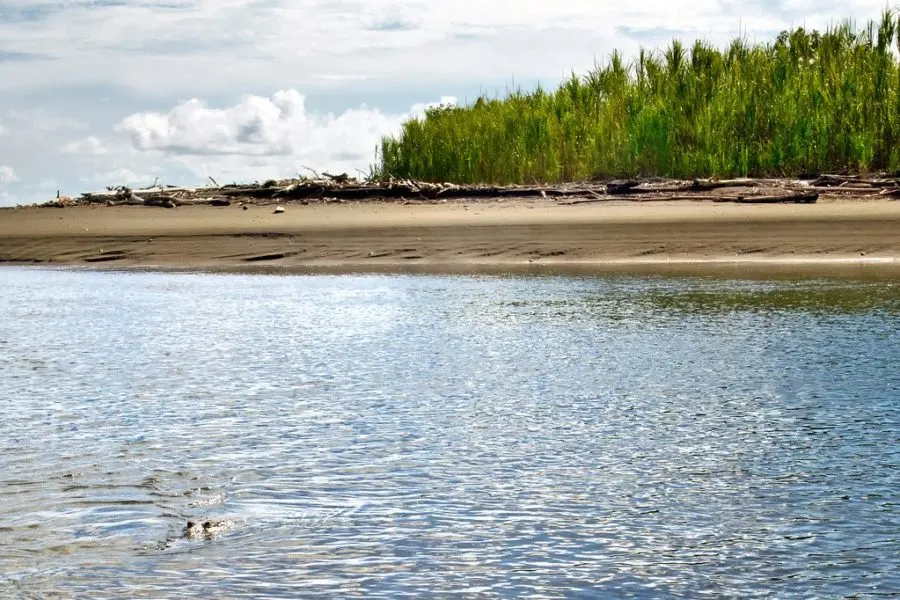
[(495, 437)]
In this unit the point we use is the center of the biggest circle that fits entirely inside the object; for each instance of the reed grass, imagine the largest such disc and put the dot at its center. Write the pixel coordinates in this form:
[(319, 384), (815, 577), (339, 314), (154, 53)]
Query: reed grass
[(808, 102)]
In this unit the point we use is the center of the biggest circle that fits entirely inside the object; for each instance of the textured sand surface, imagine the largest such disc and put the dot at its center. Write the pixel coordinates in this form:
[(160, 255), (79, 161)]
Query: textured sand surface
[(463, 236)]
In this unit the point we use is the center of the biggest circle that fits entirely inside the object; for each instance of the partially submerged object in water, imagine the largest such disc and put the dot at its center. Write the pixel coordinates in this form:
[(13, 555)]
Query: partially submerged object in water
[(207, 528)]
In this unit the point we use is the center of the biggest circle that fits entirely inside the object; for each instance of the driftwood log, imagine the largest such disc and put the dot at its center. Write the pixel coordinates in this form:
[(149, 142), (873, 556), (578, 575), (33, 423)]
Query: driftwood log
[(703, 185), (797, 198), (633, 186), (624, 187)]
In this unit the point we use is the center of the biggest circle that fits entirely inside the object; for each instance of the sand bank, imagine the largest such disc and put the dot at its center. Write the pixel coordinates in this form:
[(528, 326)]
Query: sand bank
[(855, 236)]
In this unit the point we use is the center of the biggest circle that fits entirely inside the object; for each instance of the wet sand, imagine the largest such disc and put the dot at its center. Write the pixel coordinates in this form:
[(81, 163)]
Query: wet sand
[(858, 237)]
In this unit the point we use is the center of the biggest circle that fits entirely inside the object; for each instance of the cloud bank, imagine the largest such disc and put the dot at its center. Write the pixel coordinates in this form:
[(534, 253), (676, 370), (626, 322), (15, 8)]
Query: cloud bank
[(258, 136)]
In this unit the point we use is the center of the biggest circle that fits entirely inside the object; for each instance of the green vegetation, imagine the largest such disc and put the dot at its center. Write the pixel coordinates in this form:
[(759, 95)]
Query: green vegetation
[(809, 102)]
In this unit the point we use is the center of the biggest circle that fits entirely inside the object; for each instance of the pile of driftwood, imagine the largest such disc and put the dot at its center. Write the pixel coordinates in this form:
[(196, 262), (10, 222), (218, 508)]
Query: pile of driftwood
[(341, 188), (854, 184)]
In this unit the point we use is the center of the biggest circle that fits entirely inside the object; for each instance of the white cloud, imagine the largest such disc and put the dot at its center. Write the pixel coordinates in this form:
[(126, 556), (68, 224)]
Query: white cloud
[(256, 126), (7, 175), (3, 130), (89, 146), (264, 137)]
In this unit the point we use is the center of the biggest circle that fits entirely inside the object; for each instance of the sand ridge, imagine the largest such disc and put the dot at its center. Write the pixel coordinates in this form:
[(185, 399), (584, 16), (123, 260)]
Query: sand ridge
[(459, 235)]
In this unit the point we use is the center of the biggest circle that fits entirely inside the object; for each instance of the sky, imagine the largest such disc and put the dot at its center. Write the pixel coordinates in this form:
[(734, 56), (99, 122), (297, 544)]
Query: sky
[(97, 93)]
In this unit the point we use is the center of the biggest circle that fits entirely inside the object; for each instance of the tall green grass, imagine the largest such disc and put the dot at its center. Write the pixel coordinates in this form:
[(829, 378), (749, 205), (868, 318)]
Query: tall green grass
[(809, 102)]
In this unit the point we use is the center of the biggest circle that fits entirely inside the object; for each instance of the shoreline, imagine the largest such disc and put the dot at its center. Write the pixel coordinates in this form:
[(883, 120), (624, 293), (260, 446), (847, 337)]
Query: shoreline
[(840, 237)]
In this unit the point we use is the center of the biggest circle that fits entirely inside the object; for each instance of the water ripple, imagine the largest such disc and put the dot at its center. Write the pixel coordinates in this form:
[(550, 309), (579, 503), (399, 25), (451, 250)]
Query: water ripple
[(382, 436)]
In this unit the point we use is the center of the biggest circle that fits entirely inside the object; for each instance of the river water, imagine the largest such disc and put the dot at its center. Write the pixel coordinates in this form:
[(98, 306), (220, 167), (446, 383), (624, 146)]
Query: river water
[(478, 437)]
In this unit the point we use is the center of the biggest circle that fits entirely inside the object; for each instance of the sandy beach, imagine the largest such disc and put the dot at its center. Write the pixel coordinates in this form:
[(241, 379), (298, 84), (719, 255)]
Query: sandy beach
[(836, 235)]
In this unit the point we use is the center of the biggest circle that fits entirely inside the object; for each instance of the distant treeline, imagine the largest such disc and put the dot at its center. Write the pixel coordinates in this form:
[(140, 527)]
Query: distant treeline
[(809, 102)]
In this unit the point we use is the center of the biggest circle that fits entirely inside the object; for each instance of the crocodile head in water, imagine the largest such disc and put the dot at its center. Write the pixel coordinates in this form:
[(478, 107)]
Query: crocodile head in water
[(207, 528)]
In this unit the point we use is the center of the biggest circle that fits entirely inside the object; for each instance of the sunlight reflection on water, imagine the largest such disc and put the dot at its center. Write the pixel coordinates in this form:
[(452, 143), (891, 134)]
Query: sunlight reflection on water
[(386, 436)]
